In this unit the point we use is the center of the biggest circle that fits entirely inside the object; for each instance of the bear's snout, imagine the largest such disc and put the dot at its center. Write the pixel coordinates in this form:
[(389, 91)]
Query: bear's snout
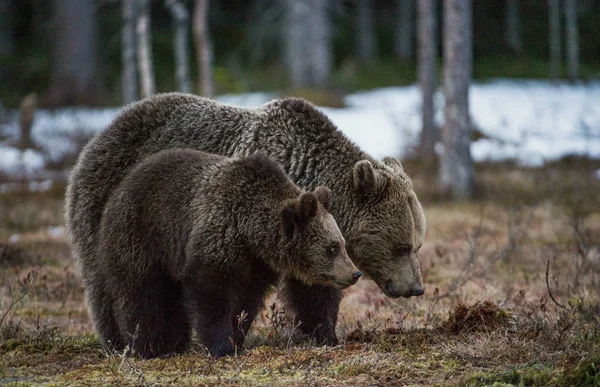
[(393, 291)]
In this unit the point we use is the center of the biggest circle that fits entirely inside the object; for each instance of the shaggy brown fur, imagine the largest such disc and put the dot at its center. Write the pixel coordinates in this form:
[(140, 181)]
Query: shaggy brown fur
[(193, 239), (374, 202)]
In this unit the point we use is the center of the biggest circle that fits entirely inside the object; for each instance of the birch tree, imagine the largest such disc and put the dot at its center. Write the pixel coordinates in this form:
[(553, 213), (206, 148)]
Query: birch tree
[(426, 39), (572, 39), (129, 82), (512, 28), (554, 38), (180, 43), (405, 30), (456, 165), (144, 49), (365, 33)]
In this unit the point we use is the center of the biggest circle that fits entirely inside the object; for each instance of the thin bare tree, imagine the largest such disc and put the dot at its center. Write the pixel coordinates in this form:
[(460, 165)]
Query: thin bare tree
[(427, 47), (129, 81), (181, 20), (365, 33), (76, 76), (204, 51), (308, 43), (512, 27), (405, 30), (554, 37), (456, 164), (572, 38), (144, 48), (27, 111)]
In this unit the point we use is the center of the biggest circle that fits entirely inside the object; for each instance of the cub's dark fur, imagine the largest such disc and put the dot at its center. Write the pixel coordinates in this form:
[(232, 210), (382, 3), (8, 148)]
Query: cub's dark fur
[(189, 239)]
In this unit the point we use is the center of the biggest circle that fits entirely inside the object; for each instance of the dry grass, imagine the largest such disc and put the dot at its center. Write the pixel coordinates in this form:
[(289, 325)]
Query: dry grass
[(486, 316)]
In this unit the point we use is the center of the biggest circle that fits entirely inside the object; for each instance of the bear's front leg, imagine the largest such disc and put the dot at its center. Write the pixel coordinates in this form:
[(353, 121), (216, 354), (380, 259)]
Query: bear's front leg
[(316, 307), (209, 303)]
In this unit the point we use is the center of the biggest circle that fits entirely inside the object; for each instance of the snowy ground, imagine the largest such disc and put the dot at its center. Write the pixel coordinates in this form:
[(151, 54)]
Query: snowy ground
[(528, 121)]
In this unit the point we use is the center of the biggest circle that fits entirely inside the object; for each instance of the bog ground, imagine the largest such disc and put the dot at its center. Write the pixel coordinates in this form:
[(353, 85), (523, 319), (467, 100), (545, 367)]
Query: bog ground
[(486, 316)]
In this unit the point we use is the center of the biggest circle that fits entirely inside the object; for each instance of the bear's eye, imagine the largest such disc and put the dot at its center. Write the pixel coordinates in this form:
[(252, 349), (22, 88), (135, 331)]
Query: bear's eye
[(402, 250), (333, 250)]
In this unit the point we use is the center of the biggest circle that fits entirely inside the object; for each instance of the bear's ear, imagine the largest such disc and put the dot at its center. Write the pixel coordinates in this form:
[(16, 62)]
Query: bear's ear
[(365, 177), (323, 194), (307, 206), (290, 219), (394, 163)]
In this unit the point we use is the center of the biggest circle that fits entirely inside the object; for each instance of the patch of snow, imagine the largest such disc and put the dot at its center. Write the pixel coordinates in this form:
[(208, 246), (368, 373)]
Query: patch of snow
[(16, 161), (56, 232), (527, 121), (40, 186), (14, 238)]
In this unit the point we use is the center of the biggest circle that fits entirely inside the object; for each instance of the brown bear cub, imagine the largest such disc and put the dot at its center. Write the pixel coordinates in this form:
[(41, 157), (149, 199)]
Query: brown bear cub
[(190, 239)]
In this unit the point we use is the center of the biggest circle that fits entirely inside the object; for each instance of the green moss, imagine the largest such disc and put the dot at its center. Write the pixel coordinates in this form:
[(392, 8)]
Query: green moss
[(48, 340), (586, 373), (530, 376)]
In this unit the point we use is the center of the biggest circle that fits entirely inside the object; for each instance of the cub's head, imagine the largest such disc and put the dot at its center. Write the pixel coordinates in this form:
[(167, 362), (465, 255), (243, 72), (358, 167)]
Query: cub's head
[(317, 249), (388, 227)]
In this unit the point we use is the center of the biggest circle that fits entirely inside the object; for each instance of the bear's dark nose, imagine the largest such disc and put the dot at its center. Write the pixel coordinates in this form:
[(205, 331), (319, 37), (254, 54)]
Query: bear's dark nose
[(419, 291), (356, 276)]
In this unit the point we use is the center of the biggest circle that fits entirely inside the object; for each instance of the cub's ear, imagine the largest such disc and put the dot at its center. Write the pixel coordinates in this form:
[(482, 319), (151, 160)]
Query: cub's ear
[(323, 194), (393, 163), (307, 206), (298, 213)]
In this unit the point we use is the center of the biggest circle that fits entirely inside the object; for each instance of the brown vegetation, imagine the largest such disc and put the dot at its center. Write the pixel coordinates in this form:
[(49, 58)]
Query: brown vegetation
[(486, 317)]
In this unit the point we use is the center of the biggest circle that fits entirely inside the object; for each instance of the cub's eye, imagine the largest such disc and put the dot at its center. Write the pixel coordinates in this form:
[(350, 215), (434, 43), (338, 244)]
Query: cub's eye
[(333, 250), (403, 250)]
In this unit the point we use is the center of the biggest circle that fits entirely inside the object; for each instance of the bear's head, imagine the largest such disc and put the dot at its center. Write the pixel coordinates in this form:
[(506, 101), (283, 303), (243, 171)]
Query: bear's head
[(388, 227), (316, 248)]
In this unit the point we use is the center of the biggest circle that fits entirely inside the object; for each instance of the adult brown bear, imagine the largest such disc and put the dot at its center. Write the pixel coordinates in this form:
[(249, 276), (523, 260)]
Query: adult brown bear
[(374, 202)]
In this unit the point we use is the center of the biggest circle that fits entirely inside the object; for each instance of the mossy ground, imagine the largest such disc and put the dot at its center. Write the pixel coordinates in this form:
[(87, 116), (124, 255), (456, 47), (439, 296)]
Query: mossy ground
[(486, 317)]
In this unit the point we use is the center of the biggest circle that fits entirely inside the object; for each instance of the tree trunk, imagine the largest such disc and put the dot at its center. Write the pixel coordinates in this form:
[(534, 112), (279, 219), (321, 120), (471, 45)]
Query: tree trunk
[(76, 78), (512, 28), (554, 36), (144, 48), (427, 74), (129, 82), (180, 43), (321, 60), (405, 30), (572, 40), (26, 116), (366, 42), (308, 43), (6, 38), (204, 51), (456, 164), (297, 42)]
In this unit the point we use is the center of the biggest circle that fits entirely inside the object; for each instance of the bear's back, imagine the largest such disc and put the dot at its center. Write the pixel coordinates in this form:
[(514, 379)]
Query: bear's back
[(175, 186)]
